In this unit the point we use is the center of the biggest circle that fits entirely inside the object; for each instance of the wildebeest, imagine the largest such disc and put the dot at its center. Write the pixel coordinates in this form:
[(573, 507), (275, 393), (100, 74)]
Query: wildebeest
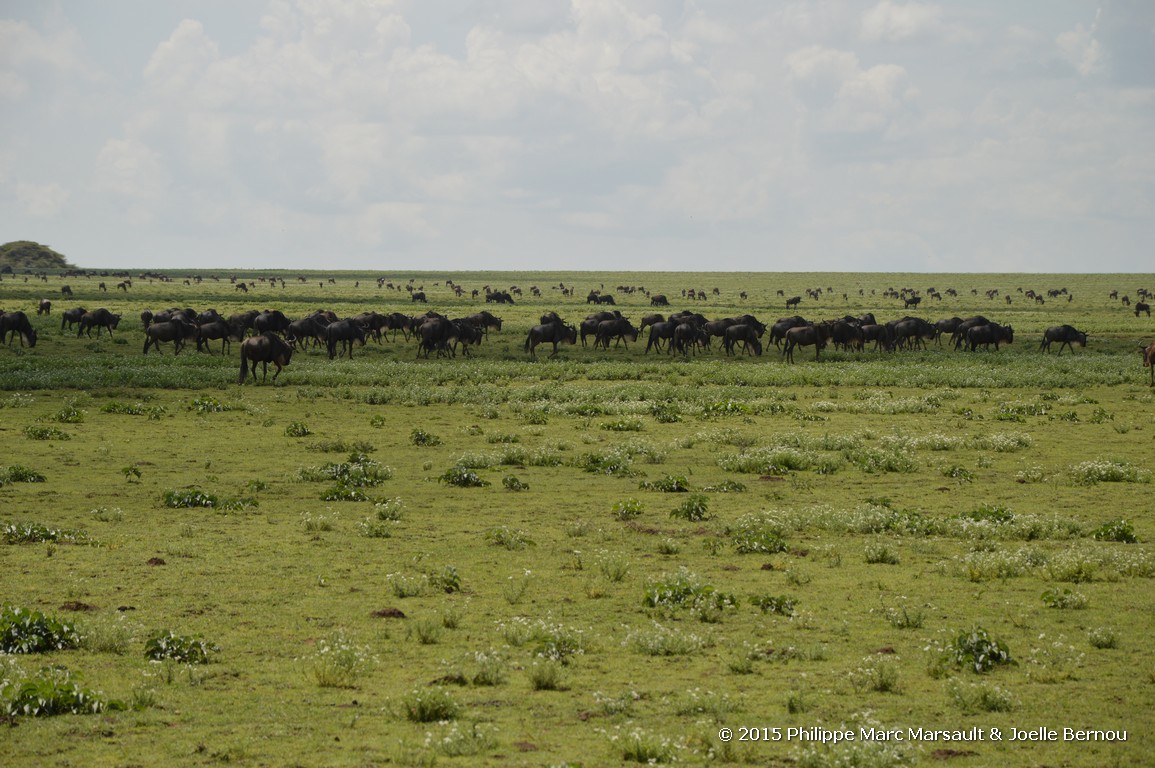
[(618, 328), (264, 349), (793, 301), (555, 333), (1142, 306), (912, 301), (498, 297), (272, 320), (344, 332), (911, 331), (65, 290), (434, 332), (1065, 334), (484, 320), (689, 336), (659, 332), (1148, 353), (17, 323), (881, 335), (418, 296), (991, 333), (747, 335), (804, 336), (779, 329), (958, 338), (659, 300), (44, 307), (98, 319), (220, 329), (71, 317), (176, 330)]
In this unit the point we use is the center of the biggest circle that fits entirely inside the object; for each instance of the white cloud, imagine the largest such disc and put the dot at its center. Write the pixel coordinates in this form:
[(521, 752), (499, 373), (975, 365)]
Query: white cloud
[(893, 22), (42, 201)]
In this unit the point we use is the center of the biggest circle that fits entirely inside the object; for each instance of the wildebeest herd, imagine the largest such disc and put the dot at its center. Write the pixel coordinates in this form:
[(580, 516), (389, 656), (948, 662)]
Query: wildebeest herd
[(270, 336)]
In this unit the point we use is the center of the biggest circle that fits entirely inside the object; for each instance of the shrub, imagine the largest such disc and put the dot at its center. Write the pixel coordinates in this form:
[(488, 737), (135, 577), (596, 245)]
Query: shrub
[(880, 553), (664, 641), (685, 591), (429, 705), (546, 675), (694, 509), (189, 498), (640, 747), (389, 510), (52, 691), (186, 650), (667, 484), (977, 698), (25, 631), (446, 580), (33, 533), (757, 533), (1106, 471), (877, 673), (462, 478), (1117, 530), (510, 538), (974, 649), (297, 429), (339, 662), (18, 473), (511, 483), (627, 509), (623, 425), (781, 604), (421, 437), (1103, 638), (42, 432), (1066, 600)]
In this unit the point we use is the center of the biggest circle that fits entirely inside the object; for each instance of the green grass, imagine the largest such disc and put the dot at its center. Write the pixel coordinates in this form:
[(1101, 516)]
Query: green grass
[(874, 502)]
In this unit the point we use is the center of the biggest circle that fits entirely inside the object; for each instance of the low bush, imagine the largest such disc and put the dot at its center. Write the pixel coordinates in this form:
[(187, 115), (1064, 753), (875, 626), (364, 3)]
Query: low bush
[(186, 650), (25, 631)]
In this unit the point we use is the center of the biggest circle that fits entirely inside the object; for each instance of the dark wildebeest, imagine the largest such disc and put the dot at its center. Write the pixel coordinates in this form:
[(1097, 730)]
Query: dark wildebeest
[(345, 332), (71, 317), (13, 323), (659, 332), (881, 335), (793, 301), (1142, 306), (484, 320), (1065, 334), (264, 349), (271, 321), (311, 328), (44, 307), (659, 300), (804, 336), (912, 301), (244, 319), (220, 329), (605, 299), (98, 319), (418, 296), (689, 336), (779, 329), (467, 334), (618, 329), (65, 290), (555, 333), (946, 326), (177, 331), (434, 333), (992, 333), (650, 320), (959, 337), (911, 331), (1149, 360), (847, 335), (746, 334), (146, 318)]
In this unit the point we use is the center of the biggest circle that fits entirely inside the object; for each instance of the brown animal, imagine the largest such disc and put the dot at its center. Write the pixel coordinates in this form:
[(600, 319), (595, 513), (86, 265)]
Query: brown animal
[(1149, 360)]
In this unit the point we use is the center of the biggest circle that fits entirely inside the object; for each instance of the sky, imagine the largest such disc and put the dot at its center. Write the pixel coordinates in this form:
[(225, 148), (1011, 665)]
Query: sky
[(624, 135)]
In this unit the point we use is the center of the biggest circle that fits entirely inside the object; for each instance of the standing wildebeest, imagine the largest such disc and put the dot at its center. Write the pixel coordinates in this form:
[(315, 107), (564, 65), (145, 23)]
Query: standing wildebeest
[(912, 301), (13, 323), (311, 328), (264, 349), (881, 335), (659, 332), (97, 318), (911, 331), (659, 300), (793, 301), (1142, 306), (992, 333), (618, 328), (779, 329), (65, 290), (418, 296), (804, 336), (1065, 334), (687, 337), (746, 334), (555, 333), (71, 317), (271, 320), (1149, 360), (484, 320), (44, 307), (176, 330), (345, 332), (220, 329), (434, 332)]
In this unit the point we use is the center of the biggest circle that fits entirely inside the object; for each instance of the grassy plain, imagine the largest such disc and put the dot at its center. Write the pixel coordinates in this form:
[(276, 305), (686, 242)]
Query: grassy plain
[(843, 523)]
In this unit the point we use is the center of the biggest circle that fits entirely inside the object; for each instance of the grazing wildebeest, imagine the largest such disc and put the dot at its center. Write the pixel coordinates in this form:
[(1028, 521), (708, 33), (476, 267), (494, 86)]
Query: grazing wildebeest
[(244, 319), (264, 349), (146, 318), (98, 319), (847, 334), (881, 335), (311, 328), (418, 296), (958, 338), (44, 307), (618, 328), (483, 320), (912, 301), (345, 332), (1148, 353), (17, 323), (65, 290), (434, 332), (659, 300), (992, 333), (1142, 306), (779, 329), (911, 331), (746, 334), (793, 301), (555, 333), (804, 336), (71, 317), (176, 330), (689, 336), (220, 329), (1065, 334)]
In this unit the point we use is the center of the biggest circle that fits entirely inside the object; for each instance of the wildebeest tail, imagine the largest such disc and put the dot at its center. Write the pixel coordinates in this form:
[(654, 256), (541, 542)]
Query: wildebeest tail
[(244, 366)]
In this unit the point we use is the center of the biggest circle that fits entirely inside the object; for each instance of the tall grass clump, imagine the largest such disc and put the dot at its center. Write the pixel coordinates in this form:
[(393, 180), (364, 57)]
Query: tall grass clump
[(757, 533), (338, 662), (429, 705), (1107, 471)]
